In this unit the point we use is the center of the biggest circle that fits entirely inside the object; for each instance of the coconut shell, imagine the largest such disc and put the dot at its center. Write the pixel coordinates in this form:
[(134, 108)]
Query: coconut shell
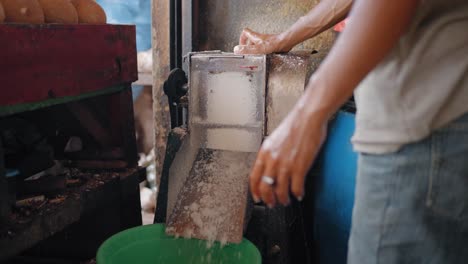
[(89, 12), (59, 11), (23, 11)]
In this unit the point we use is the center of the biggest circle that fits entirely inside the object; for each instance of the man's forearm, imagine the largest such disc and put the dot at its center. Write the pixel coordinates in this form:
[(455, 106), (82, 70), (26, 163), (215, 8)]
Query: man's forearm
[(374, 29), (322, 17)]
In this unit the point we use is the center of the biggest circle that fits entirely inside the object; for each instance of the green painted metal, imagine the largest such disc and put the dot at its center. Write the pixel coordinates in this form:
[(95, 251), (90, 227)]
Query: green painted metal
[(6, 110)]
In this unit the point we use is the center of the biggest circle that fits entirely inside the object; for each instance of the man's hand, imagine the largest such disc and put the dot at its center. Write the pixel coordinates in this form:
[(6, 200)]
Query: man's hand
[(322, 17), (251, 42), (285, 157)]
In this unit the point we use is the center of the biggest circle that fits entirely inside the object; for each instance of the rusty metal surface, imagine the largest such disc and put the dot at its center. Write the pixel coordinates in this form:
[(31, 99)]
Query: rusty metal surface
[(212, 202), (219, 23), (161, 64), (288, 74)]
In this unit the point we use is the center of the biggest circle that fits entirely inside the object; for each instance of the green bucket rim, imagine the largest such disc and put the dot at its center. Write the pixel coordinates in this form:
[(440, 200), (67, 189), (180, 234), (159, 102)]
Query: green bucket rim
[(109, 244)]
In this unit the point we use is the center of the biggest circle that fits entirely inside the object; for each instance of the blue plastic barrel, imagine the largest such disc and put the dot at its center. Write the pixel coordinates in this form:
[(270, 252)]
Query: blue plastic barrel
[(334, 193)]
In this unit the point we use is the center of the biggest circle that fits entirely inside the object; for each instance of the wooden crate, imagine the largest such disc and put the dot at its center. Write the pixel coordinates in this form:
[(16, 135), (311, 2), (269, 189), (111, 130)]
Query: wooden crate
[(75, 77), (44, 62)]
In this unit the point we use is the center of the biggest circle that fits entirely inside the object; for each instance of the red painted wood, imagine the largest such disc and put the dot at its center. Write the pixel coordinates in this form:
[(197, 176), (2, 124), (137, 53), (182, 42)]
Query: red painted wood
[(39, 62)]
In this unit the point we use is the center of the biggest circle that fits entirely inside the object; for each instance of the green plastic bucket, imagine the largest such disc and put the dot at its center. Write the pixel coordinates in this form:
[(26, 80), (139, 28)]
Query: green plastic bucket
[(150, 245)]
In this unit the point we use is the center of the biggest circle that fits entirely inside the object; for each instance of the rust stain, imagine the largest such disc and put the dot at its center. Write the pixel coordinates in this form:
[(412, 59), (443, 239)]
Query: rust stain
[(254, 67)]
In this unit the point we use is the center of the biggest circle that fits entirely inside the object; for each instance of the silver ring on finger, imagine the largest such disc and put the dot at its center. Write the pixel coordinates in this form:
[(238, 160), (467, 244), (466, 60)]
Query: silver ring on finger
[(268, 180)]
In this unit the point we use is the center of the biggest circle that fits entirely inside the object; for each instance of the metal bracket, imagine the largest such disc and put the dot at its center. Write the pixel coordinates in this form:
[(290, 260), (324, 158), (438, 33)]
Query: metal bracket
[(175, 87)]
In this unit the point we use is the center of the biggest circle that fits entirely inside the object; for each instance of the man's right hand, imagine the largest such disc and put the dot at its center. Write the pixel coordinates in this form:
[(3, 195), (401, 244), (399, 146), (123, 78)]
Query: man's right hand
[(251, 42), (322, 17)]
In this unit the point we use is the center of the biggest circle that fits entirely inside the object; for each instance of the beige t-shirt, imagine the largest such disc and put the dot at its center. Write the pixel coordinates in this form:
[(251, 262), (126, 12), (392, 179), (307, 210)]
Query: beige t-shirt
[(421, 85)]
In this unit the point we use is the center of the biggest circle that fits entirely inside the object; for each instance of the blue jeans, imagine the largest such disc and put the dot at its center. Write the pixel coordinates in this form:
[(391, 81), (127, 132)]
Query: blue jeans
[(412, 206)]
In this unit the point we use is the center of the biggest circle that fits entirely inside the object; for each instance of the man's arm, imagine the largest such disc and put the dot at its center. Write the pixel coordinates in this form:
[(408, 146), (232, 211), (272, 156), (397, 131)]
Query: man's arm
[(322, 17), (374, 28)]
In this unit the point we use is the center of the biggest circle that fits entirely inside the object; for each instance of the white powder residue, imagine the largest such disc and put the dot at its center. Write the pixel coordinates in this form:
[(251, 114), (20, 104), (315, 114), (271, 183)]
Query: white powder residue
[(212, 203), (232, 92), (286, 82), (188, 233), (223, 241), (196, 218)]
